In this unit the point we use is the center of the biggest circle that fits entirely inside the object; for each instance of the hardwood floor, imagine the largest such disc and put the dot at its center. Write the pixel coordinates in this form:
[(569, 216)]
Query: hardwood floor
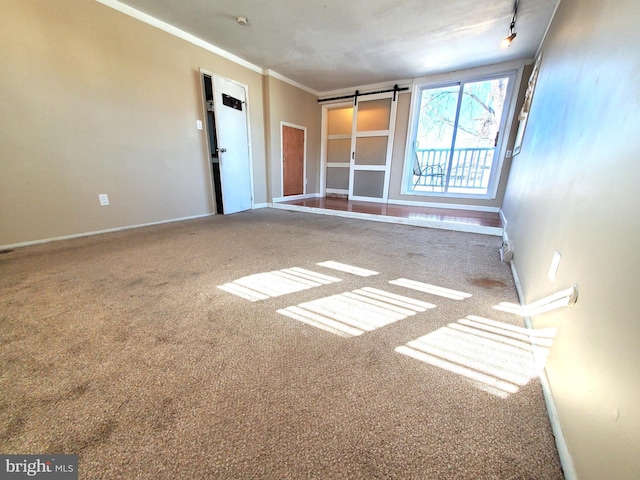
[(453, 219)]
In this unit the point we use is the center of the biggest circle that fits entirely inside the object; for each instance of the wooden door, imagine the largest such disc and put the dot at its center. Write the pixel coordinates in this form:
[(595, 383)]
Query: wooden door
[(293, 145)]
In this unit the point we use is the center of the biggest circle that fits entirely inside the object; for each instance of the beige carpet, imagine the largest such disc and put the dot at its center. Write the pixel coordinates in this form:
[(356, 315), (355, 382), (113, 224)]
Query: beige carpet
[(122, 349)]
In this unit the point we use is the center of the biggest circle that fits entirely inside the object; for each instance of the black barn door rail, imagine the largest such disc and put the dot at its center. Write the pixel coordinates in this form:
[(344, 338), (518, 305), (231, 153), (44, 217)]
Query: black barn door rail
[(355, 96)]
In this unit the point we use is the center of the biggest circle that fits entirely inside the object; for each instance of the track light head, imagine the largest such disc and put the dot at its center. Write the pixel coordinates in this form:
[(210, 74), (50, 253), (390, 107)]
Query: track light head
[(506, 41)]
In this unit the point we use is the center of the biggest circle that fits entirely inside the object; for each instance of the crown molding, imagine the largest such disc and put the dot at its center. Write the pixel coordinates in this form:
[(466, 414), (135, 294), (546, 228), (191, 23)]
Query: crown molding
[(177, 32), (280, 77), (188, 37)]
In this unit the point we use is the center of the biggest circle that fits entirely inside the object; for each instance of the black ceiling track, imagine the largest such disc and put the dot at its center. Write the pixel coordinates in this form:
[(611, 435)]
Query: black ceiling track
[(355, 96)]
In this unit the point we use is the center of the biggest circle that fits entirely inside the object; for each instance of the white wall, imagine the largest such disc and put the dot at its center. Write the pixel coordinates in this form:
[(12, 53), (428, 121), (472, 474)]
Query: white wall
[(574, 189)]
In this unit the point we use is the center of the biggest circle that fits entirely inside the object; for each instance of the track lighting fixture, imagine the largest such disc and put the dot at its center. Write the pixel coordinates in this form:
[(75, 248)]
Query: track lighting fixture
[(506, 41)]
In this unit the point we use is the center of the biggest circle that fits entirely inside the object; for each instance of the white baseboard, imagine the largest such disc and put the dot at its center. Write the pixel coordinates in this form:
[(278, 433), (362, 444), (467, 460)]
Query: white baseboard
[(336, 191), (563, 450), (503, 219), (260, 205), (296, 197), (416, 222), (99, 232), (452, 206)]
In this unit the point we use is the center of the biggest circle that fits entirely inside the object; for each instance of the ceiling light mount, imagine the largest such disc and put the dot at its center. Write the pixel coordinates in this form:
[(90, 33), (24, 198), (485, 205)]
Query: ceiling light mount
[(506, 41), (243, 21)]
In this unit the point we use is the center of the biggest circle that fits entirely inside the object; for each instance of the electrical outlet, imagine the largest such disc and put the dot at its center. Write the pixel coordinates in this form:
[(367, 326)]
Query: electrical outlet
[(555, 263), (104, 199)]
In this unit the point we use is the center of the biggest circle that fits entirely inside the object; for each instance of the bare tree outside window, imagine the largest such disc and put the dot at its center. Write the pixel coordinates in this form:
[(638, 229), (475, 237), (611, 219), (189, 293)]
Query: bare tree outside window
[(457, 132)]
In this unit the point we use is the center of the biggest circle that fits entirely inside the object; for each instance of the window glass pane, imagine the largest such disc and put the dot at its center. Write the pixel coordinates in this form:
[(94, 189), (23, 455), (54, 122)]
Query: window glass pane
[(437, 116), (480, 113), (476, 135), (434, 137)]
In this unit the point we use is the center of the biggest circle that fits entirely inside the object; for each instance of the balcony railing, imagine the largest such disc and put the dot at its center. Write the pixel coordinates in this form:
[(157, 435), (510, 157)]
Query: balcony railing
[(469, 172)]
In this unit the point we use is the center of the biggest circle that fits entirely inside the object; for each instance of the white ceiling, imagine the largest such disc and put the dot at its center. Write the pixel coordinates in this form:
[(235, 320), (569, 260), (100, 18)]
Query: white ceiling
[(327, 45)]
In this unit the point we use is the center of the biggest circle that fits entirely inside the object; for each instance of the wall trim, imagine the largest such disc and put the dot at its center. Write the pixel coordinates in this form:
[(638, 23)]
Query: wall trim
[(271, 73), (563, 450), (452, 206), (504, 221), (416, 222), (546, 32), (100, 232), (336, 191), (182, 34), (256, 206), (467, 74), (296, 197), (177, 32)]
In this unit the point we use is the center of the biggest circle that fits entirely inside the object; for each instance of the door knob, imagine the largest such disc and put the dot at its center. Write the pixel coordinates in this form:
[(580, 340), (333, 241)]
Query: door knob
[(222, 150)]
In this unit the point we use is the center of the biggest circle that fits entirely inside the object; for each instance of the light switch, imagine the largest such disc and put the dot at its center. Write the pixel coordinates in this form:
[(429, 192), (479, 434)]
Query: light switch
[(199, 124)]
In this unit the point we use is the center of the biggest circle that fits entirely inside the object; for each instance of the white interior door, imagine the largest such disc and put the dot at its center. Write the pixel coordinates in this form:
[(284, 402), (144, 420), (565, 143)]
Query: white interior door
[(233, 145), (374, 119)]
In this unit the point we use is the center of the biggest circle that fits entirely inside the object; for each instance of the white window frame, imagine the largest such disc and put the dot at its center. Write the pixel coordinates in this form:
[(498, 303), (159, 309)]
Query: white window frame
[(515, 76)]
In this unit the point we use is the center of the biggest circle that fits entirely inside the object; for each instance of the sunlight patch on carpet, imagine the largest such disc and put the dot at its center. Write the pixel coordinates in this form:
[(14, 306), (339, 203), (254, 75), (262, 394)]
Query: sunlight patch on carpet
[(353, 313), (432, 289), (261, 286), (496, 357), (343, 267)]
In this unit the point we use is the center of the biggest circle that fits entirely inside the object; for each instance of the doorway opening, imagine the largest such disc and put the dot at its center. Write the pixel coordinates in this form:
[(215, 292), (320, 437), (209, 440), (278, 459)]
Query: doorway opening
[(358, 141), (213, 143)]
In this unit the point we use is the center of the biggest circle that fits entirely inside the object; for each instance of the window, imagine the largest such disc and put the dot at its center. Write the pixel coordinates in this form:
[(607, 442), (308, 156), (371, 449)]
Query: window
[(455, 137)]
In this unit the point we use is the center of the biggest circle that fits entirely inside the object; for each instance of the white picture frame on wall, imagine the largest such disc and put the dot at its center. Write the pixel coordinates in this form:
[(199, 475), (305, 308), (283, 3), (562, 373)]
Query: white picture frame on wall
[(526, 106)]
